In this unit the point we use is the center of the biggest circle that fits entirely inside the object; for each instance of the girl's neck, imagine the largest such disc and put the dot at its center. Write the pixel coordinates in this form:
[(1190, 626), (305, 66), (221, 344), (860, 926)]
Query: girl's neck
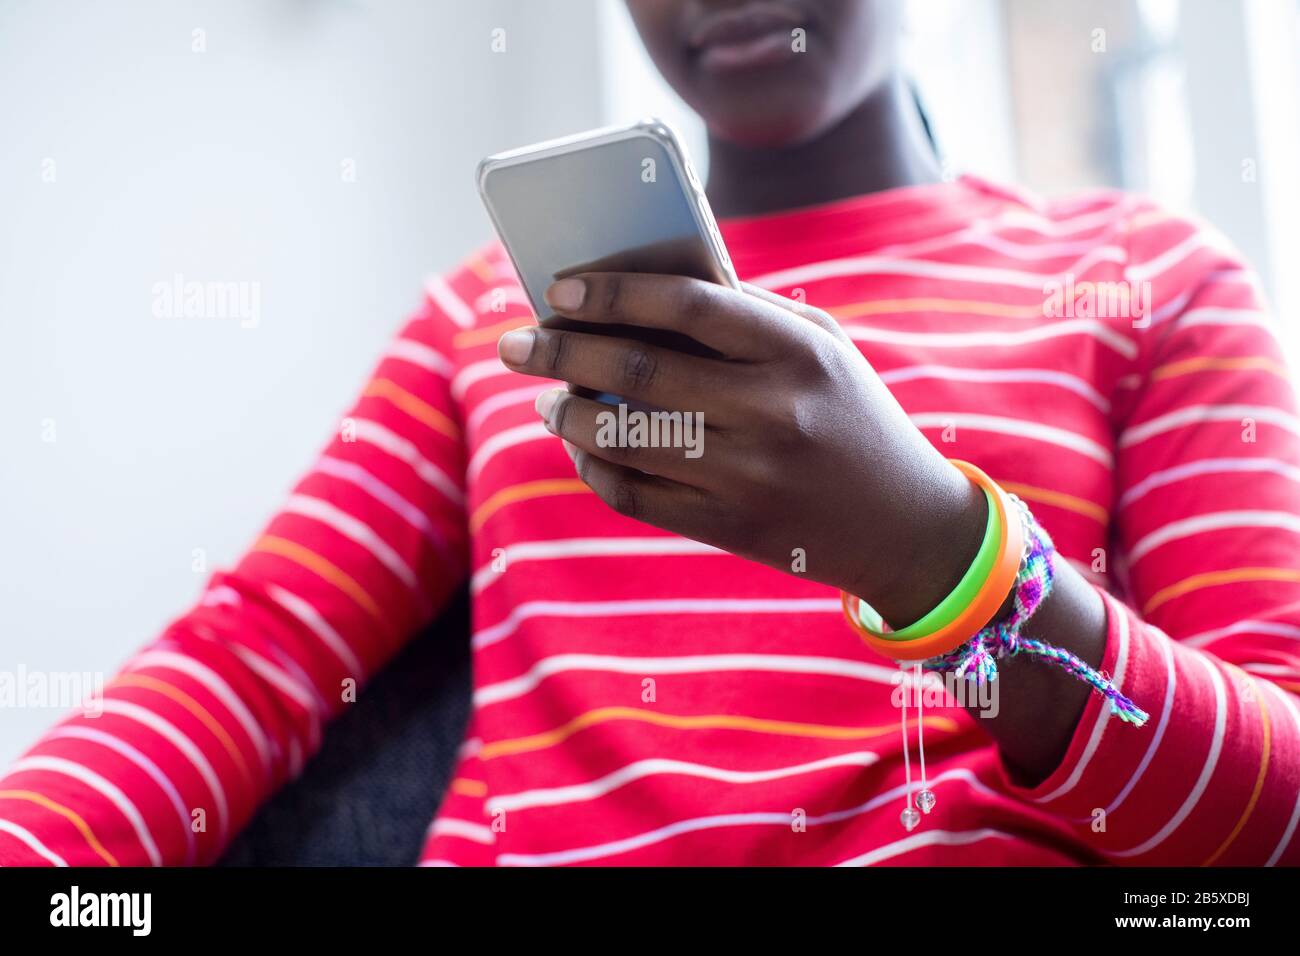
[(880, 145)]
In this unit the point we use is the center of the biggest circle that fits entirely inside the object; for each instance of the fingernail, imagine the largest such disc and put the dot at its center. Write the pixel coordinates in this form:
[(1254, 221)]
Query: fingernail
[(571, 451), (546, 401), (566, 295), (515, 347)]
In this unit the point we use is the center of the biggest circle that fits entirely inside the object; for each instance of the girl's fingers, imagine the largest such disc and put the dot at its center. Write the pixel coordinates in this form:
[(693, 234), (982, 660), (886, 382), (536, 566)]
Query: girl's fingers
[(669, 445), (740, 326), (655, 500), (634, 370), (802, 309)]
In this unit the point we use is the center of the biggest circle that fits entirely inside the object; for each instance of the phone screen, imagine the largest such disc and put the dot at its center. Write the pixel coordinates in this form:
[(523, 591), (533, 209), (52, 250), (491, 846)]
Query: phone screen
[(613, 206)]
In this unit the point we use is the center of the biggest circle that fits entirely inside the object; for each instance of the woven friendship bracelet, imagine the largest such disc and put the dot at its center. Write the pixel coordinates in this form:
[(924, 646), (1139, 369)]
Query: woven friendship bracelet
[(1011, 530), (977, 658)]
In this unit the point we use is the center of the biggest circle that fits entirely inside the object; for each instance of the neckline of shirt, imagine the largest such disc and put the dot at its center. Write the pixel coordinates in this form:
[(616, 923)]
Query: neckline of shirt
[(858, 224)]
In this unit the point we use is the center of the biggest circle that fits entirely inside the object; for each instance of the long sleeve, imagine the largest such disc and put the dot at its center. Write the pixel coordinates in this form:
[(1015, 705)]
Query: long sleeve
[(1207, 545), (206, 722)]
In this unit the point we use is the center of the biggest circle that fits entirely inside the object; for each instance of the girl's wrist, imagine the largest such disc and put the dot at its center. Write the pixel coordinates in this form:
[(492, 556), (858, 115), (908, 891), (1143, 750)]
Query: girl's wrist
[(911, 561)]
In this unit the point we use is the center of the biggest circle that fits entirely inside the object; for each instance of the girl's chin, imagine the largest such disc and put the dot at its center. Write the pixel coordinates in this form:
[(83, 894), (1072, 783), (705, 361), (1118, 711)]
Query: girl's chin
[(766, 130), (767, 111)]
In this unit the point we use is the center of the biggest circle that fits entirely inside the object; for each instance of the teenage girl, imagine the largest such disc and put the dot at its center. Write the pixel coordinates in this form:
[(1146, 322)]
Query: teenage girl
[(663, 669)]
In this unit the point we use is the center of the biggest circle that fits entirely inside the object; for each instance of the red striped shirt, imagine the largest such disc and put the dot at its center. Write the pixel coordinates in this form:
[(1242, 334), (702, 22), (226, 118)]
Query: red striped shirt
[(642, 699)]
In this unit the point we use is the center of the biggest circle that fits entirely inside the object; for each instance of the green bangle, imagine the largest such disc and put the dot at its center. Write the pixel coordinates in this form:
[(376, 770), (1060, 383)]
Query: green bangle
[(960, 597)]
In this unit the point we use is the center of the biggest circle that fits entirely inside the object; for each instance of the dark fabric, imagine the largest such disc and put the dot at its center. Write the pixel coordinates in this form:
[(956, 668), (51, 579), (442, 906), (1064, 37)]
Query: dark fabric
[(367, 798)]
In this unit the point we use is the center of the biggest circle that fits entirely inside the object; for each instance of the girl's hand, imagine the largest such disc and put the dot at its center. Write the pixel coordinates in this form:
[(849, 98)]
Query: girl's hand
[(808, 464)]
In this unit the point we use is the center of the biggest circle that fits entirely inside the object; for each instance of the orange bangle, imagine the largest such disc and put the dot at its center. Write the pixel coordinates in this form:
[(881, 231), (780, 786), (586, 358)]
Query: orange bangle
[(986, 602)]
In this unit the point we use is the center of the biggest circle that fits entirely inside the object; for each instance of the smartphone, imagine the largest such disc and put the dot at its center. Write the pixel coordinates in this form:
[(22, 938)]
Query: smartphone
[(620, 199)]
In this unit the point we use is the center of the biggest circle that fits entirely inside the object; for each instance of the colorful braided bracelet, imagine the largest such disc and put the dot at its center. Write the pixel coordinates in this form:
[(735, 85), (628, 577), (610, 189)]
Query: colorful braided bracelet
[(977, 658), (974, 658)]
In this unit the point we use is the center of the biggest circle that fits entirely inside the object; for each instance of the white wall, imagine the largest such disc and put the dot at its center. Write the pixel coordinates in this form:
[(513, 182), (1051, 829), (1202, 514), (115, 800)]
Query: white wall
[(956, 53), (176, 434)]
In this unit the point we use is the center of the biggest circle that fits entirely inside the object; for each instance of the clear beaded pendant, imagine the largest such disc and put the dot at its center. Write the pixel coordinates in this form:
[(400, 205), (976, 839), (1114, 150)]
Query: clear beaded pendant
[(925, 800), (910, 817)]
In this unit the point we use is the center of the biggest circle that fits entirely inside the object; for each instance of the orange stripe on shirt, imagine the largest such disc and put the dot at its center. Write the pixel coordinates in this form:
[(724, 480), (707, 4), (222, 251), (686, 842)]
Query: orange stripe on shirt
[(68, 814), (592, 718), (525, 492), (309, 559), (469, 788), (481, 268), (200, 712), (1259, 779), (414, 406), (858, 310), (1060, 499), (1211, 578), (1211, 364), (491, 333)]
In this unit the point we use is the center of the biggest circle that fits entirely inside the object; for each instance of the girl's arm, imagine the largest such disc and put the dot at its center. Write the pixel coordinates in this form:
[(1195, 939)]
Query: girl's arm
[(211, 718)]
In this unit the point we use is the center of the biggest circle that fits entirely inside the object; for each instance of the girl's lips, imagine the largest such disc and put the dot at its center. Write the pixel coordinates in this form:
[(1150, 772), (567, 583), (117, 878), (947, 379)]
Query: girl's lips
[(766, 49), (755, 34)]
